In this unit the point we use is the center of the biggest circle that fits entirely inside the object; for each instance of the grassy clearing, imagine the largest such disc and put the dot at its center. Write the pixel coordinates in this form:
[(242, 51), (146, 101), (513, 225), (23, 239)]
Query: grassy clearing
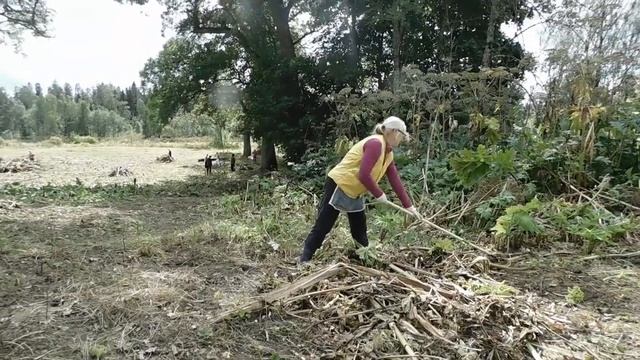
[(117, 271), (91, 164)]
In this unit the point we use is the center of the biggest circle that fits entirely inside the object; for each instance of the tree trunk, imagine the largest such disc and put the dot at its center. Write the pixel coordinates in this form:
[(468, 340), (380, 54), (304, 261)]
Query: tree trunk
[(493, 17), (246, 144), (397, 44), (380, 55), (286, 48), (268, 160), (289, 84), (280, 15), (354, 51)]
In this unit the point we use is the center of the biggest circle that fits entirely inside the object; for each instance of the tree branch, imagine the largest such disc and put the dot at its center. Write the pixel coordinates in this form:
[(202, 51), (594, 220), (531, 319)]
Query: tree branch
[(212, 30), (33, 11), (242, 38), (296, 42), (197, 25), (291, 4), (30, 16)]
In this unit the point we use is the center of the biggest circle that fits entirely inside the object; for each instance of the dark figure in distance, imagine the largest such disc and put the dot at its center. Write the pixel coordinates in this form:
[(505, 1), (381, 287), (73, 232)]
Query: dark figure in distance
[(208, 164), (233, 162)]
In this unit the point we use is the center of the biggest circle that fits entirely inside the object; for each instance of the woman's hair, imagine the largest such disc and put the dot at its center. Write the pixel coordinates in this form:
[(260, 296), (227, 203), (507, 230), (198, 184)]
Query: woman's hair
[(378, 129)]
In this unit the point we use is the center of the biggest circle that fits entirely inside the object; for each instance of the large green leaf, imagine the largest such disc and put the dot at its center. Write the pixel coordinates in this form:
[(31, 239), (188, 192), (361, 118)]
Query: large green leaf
[(526, 223)]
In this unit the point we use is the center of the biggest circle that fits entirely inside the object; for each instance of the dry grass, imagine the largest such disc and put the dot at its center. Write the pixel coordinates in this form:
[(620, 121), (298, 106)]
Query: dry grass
[(91, 164), (122, 281)]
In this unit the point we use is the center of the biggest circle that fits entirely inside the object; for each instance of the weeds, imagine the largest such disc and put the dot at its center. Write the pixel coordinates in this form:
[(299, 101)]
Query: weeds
[(560, 219), (575, 295), (54, 141)]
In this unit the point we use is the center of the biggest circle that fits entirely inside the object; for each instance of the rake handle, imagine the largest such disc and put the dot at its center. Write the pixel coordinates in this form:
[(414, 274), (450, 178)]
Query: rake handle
[(427, 222)]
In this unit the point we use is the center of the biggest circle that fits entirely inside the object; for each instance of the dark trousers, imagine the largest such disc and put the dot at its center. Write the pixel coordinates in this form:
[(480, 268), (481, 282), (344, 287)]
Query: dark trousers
[(327, 217)]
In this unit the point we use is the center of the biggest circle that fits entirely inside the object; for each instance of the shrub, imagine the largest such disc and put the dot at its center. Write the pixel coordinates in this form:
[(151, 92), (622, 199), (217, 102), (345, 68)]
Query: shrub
[(83, 139), (54, 140)]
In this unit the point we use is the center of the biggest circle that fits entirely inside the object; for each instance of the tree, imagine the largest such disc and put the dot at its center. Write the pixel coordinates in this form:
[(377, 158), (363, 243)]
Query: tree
[(363, 44), (68, 112), (131, 96), (83, 118), (183, 70), (68, 91), (45, 116), (262, 33), (20, 16), (56, 90), (38, 90), (594, 56), (106, 96), (79, 93), (142, 117), (104, 123), (7, 122), (598, 38), (52, 124), (26, 96)]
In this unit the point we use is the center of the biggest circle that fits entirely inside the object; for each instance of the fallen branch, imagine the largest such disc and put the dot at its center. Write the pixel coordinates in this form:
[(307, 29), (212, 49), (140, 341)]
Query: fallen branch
[(296, 298), (618, 201), (594, 203), (283, 292), (402, 340), (611, 256), (428, 326), (411, 282), (363, 330), (533, 352)]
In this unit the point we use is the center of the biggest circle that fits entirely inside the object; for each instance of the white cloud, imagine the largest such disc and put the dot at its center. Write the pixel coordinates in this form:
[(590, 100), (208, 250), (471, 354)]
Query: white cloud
[(93, 41)]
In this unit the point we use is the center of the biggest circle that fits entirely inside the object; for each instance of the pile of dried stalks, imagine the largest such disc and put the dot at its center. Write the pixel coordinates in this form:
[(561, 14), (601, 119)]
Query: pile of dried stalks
[(166, 158), (8, 205), (120, 171), (361, 312), (27, 163)]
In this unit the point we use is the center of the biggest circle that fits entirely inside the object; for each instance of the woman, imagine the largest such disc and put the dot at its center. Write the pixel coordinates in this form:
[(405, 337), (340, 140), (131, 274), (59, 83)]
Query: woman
[(358, 173)]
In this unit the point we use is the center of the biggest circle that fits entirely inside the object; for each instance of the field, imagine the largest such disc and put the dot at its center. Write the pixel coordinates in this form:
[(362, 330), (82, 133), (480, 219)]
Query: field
[(103, 269), (92, 164)]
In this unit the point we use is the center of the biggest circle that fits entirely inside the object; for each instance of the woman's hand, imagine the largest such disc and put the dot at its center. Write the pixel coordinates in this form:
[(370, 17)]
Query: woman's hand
[(382, 198), (414, 212)]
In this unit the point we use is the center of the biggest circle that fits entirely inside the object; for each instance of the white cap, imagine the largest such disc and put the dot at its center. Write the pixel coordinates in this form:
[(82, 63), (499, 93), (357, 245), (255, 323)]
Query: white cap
[(394, 122)]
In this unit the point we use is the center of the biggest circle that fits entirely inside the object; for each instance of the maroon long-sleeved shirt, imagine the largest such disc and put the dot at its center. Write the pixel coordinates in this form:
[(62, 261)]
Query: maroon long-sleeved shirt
[(371, 155)]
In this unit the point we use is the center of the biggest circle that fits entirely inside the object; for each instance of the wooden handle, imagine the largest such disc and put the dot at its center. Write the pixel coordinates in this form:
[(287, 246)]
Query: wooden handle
[(427, 222)]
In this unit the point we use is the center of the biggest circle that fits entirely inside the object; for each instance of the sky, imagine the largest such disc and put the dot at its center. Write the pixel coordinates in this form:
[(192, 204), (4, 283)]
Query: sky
[(93, 41), (532, 40), (103, 41)]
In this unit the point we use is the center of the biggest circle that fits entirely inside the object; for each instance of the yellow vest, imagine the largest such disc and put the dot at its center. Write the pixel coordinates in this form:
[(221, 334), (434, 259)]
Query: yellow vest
[(345, 174)]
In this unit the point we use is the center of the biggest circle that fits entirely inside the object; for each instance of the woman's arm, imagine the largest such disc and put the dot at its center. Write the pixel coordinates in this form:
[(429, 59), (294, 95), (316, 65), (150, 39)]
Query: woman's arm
[(396, 184), (371, 153)]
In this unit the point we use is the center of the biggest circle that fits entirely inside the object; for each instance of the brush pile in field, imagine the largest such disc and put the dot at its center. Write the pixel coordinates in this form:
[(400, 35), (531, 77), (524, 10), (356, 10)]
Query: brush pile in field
[(27, 163), (166, 158), (120, 171), (8, 205), (409, 312)]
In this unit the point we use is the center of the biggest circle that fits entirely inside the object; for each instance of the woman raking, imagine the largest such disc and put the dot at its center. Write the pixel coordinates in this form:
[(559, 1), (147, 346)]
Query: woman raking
[(359, 173)]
